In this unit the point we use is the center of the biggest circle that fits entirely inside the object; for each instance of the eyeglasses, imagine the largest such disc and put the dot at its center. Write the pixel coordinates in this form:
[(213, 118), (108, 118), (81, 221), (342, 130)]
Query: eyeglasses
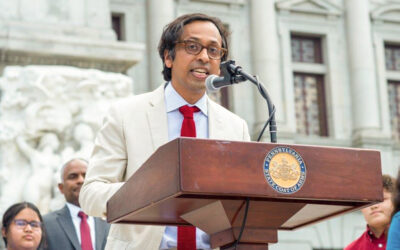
[(35, 225), (194, 48)]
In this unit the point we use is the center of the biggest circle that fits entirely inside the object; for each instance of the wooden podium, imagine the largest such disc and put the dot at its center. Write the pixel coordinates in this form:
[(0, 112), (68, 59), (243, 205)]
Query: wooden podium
[(205, 183)]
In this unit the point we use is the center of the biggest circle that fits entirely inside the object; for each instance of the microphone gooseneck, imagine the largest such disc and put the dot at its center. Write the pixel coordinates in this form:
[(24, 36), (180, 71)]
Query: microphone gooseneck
[(231, 74), (234, 74)]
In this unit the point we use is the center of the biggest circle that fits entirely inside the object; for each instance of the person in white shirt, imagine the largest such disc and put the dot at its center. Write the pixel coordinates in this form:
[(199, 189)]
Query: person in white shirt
[(63, 227)]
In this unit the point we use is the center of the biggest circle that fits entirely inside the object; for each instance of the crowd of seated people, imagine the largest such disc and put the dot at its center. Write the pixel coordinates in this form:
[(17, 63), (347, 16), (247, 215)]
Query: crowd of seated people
[(68, 228)]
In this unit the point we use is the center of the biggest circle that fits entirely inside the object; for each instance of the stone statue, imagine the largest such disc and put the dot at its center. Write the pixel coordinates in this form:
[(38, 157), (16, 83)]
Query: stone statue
[(43, 161), (83, 134)]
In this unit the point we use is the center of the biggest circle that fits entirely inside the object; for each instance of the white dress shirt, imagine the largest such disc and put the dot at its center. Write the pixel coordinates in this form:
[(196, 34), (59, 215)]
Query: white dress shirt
[(76, 220), (172, 102)]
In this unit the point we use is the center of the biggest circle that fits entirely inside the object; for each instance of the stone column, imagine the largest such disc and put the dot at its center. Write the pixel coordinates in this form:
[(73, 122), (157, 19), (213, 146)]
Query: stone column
[(159, 14), (365, 103), (265, 58)]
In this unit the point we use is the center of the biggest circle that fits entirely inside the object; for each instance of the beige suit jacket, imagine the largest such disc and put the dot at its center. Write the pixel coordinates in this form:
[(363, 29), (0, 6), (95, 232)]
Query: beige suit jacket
[(133, 129)]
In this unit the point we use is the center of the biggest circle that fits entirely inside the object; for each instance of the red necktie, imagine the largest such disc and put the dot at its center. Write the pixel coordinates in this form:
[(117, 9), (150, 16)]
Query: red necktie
[(187, 234), (86, 240)]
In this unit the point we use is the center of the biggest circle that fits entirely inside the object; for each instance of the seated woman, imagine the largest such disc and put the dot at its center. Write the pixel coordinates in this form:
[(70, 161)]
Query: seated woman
[(22, 227)]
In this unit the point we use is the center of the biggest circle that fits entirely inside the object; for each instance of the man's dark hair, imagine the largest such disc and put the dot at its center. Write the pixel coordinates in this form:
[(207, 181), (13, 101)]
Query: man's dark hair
[(13, 211), (173, 31)]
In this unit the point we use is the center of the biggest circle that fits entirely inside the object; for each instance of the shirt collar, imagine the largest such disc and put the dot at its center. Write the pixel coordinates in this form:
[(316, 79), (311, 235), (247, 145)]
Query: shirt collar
[(73, 209), (173, 100), (372, 236)]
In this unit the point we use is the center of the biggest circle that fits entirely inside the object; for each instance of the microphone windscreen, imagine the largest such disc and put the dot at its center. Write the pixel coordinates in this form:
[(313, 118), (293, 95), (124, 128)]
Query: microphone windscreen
[(210, 83)]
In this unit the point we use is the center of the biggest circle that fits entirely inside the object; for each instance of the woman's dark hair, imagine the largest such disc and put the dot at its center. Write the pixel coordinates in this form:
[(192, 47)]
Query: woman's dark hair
[(396, 195), (12, 211), (173, 31)]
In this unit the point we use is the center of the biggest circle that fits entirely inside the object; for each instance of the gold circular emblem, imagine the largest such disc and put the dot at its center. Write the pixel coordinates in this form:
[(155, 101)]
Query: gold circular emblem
[(285, 170)]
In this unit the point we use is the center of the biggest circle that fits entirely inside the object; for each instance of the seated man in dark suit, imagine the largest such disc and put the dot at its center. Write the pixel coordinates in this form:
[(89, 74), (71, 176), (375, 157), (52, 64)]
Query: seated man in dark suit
[(69, 227)]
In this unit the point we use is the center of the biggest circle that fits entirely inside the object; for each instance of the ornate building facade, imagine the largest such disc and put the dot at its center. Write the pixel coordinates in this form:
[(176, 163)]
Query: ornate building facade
[(332, 68)]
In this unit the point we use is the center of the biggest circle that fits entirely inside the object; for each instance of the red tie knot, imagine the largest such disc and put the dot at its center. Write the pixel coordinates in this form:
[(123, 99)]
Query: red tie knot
[(187, 111), (82, 215)]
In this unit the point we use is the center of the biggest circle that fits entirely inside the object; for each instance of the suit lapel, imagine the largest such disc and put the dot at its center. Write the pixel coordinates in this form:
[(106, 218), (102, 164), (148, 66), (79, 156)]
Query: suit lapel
[(157, 118), (65, 220), (215, 124)]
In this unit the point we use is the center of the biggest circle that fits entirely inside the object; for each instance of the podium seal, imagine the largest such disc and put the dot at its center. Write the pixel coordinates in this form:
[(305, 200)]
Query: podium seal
[(284, 170)]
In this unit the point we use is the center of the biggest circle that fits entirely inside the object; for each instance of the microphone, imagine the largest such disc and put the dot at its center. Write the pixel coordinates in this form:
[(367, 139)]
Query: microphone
[(229, 76), (214, 82)]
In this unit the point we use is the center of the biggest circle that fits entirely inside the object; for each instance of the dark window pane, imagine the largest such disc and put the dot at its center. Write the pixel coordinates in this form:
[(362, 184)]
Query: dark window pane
[(392, 57), (306, 49), (225, 97), (310, 104), (394, 107), (118, 25)]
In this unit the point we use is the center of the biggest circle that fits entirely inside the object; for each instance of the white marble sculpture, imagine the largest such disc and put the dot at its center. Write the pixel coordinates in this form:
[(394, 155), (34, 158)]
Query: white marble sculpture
[(49, 114), (43, 162), (84, 137)]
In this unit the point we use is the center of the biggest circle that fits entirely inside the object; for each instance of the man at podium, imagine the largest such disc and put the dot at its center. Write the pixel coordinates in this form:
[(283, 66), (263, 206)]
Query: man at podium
[(191, 48)]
